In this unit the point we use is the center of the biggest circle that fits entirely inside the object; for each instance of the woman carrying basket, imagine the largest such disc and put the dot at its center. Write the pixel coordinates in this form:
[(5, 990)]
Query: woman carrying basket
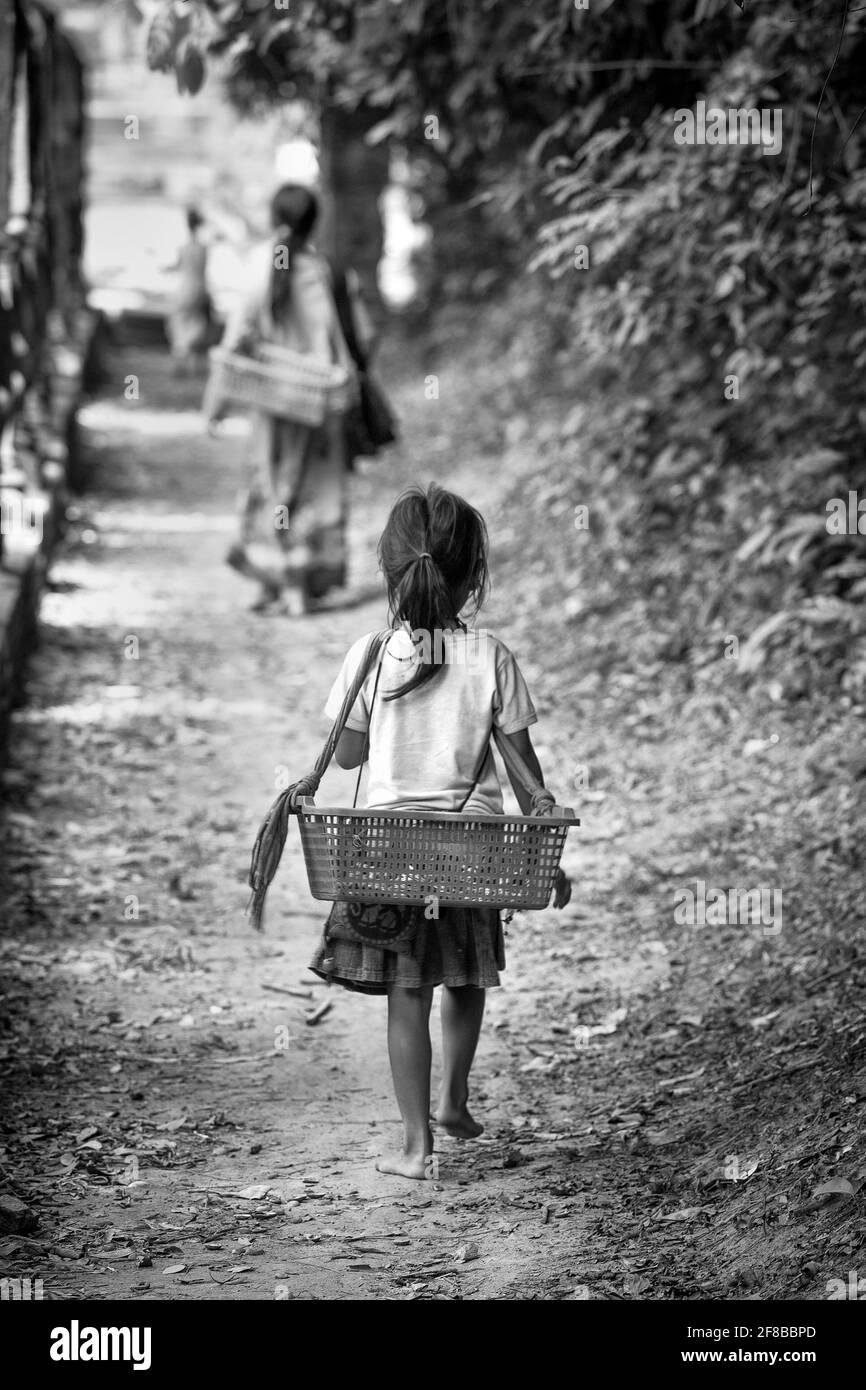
[(296, 473), (434, 699)]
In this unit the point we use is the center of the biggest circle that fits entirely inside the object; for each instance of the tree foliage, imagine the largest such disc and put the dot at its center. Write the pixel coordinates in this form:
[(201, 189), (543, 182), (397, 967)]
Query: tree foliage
[(721, 285)]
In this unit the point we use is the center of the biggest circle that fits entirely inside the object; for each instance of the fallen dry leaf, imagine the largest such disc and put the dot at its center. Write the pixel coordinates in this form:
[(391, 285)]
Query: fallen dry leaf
[(659, 1137), (834, 1187), (467, 1252), (685, 1214)]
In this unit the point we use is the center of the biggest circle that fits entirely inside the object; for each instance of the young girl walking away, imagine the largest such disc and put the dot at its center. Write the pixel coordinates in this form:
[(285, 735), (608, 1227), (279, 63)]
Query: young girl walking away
[(428, 723)]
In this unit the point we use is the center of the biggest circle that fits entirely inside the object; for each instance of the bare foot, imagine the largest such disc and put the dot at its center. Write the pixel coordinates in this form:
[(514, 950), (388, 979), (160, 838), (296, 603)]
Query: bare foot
[(457, 1122), (267, 599), (238, 559), (408, 1166), (295, 601)]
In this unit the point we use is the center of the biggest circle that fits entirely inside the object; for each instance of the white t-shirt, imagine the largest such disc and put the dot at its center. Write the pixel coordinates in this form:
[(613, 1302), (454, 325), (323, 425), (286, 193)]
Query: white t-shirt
[(427, 747)]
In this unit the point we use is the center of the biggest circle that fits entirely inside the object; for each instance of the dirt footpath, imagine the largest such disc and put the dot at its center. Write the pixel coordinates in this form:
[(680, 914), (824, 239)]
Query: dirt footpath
[(166, 1068), (174, 1125)]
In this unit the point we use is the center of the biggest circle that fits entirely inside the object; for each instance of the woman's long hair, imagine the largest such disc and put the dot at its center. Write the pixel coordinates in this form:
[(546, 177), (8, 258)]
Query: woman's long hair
[(294, 210), (433, 554)]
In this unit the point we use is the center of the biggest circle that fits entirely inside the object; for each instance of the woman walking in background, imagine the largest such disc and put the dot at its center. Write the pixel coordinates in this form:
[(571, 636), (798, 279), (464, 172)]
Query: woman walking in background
[(296, 474)]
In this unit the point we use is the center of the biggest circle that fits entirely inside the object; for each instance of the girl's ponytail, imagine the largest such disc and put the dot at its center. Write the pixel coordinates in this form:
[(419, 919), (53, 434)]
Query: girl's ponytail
[(294, 210), (433, 553)]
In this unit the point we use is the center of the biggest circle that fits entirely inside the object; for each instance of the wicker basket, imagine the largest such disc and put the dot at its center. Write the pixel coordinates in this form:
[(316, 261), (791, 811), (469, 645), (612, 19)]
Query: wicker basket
[(461, 861), (373, 856), (287, 384)]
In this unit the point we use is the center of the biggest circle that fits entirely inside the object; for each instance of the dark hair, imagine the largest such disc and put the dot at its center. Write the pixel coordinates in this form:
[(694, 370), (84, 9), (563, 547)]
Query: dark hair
[(194, 219), (294, 210), (433, 554)]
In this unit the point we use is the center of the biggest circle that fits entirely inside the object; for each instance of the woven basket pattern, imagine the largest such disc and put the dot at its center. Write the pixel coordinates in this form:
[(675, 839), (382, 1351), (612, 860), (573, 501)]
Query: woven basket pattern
[(283, 383), (391, 857)]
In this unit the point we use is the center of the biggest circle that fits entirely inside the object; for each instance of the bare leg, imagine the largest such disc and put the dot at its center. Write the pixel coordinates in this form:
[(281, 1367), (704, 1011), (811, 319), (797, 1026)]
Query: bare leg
[(296, 481), (293, 575), (462, 1012), (411, 1055)]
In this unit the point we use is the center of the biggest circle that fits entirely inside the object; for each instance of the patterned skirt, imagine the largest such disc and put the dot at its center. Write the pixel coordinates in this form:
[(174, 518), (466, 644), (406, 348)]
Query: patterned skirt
[(463, 946), (295, 501)]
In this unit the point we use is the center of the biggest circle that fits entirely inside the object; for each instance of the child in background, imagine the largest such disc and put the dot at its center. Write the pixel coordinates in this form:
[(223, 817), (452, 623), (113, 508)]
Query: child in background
[(436, 702), (191, 326)]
